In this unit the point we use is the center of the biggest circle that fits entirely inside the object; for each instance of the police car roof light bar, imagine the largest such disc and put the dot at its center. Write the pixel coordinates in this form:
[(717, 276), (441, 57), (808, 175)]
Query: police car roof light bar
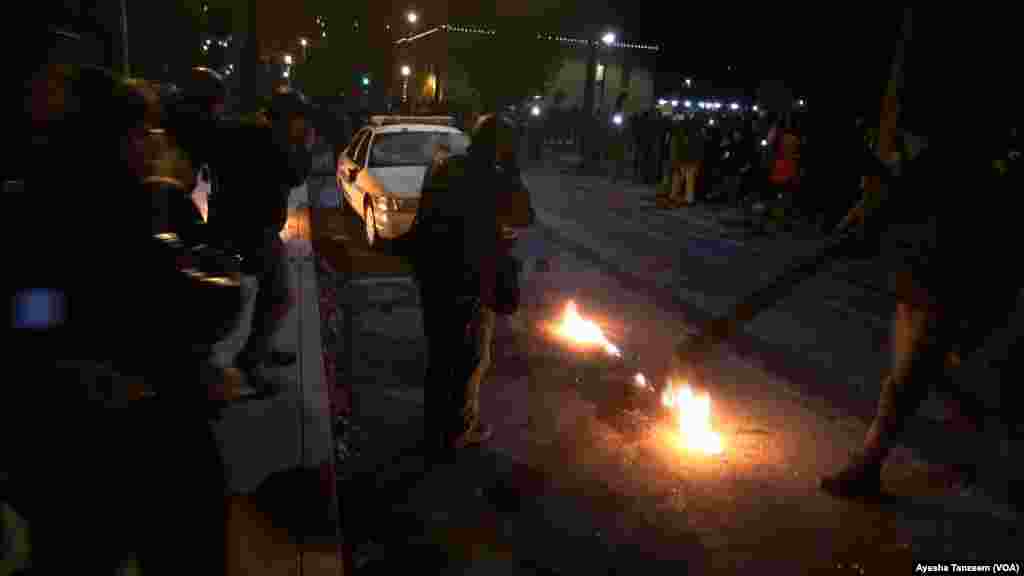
[(390, 120)]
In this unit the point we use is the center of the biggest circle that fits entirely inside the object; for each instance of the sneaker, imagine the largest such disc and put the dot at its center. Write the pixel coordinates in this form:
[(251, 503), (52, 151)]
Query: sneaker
[(858, 479), (475, 436)]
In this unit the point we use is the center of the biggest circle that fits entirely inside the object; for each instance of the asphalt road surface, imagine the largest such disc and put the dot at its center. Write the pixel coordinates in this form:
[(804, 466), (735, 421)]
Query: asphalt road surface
[(572, 483)]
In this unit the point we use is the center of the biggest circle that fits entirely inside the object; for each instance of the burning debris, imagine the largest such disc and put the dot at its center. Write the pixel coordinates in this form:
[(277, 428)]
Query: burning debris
[(692, 411), (582, 332), (640, 381)]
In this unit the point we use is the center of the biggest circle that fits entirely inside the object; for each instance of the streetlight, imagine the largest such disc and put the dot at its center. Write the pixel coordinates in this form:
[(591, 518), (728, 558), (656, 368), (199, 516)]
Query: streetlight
[(617, 119), (535, 110), (406, 71), (412, 17), (689, 82), (303, 42), (608, 38)]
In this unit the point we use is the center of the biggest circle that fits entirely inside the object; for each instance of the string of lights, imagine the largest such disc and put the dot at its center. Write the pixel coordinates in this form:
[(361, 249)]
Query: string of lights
[(551, 37)]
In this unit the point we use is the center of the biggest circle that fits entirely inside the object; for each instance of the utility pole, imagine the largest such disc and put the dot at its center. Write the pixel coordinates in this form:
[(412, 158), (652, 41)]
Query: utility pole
[(125, 68), (873, 190), (586, 118)]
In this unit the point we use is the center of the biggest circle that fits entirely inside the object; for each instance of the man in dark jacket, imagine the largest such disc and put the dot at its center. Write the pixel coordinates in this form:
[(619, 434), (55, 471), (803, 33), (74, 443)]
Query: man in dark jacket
[(468, 203), (259, 160)]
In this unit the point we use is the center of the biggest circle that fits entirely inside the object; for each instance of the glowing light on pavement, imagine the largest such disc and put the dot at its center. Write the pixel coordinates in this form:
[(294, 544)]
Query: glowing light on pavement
[(578, 330), (693, 412)]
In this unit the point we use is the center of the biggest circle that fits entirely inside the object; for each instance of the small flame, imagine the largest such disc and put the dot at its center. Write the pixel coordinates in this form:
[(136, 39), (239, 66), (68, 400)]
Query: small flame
[(578, 329), (640, 380), (694, 414)]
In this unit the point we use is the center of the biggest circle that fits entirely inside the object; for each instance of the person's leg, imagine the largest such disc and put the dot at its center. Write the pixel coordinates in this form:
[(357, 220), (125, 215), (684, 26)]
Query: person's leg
[(273, 302), (469, 397), (677, 183), (451, 360), (918, 358), (435, 392), (690, 177)]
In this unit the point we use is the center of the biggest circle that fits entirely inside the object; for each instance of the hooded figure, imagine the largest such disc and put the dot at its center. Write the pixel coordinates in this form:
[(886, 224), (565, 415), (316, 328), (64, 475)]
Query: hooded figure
[(470, 204)]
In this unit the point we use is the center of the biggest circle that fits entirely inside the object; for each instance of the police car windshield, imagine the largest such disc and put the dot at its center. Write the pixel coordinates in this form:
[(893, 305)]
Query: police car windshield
[(414, 148)]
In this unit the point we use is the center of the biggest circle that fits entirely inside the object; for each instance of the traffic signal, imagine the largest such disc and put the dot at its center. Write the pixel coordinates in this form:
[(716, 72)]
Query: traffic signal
[(366, 79)]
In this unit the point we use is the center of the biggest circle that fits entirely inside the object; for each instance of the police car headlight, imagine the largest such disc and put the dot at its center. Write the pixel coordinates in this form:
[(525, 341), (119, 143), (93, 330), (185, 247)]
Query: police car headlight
[(386, 204)]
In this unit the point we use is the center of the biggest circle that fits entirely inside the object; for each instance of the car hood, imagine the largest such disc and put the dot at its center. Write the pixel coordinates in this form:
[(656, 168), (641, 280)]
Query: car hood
[(400, 181)]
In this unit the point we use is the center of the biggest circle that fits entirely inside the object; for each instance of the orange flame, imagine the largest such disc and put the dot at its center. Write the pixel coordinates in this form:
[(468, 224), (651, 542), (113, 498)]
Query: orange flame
[(694, 414), (579, 330)]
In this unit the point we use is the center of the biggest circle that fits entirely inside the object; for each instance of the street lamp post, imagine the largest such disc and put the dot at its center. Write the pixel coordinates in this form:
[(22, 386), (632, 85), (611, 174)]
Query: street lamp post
[(406, 71)]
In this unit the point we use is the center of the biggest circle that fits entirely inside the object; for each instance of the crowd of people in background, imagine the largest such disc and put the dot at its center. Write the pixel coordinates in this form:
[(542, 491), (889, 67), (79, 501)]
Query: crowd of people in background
[(780, 168)]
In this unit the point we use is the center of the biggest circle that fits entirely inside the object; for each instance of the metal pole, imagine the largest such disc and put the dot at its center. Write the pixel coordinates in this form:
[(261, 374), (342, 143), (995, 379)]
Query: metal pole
[(886, 131), (125, 68), (585, 119)]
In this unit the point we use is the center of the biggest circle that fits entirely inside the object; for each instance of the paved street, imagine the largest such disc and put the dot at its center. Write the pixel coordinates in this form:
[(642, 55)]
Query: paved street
[(830, 336), (570, 485)]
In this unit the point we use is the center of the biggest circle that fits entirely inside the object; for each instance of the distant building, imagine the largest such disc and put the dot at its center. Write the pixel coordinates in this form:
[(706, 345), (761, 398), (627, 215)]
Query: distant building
[(621, 67)]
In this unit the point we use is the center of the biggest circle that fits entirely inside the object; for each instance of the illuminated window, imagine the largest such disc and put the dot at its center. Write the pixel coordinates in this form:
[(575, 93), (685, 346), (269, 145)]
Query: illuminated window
[(600, 73)]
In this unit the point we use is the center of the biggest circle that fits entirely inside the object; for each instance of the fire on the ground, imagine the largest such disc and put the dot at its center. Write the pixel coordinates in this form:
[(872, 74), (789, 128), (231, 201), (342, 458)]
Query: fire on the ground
[(691, 410)]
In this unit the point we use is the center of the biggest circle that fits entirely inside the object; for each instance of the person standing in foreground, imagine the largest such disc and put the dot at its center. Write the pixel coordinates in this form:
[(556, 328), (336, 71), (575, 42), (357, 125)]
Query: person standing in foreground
[(262, 158), (467, 205)]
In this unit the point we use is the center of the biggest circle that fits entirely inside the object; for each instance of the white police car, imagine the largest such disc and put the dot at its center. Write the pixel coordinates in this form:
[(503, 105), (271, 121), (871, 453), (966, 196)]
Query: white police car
[(380, 174)]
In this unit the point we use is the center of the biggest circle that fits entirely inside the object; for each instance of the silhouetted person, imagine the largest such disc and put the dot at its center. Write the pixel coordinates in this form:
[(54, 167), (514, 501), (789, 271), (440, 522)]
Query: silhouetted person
[(260, 160), (950, 298), (468, 203)]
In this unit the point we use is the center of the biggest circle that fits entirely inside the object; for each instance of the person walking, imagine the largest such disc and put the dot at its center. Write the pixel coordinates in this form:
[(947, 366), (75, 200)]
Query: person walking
[(687, 160), (940, 319)]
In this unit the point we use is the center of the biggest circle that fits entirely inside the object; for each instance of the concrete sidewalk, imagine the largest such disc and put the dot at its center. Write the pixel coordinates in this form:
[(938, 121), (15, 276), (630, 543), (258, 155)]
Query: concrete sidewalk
[(278, 451)]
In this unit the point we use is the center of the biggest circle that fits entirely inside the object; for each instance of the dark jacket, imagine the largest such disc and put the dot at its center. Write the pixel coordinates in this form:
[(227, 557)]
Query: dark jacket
[(254, 178)]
